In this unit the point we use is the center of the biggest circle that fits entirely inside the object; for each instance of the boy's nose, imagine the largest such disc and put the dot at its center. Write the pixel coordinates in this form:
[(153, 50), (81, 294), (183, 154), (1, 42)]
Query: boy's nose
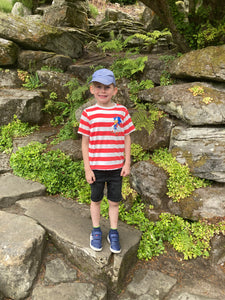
[(103, 89)]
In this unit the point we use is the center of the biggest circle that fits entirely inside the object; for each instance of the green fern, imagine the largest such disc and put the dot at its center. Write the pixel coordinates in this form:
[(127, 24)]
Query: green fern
[(135, 86), (114, 45), (146, 118), (148, 39), (127, 67)]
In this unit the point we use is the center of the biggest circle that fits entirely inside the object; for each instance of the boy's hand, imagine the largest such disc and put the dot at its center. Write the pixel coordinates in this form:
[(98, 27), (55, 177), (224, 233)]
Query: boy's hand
[(90, 176), (125, 171)]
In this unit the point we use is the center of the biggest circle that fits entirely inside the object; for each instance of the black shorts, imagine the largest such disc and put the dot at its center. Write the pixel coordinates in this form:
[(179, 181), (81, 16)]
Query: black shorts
[(114, 185)]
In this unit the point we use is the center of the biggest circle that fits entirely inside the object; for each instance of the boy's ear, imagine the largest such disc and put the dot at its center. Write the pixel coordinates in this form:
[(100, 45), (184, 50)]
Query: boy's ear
[(115, 91), (92, 89)]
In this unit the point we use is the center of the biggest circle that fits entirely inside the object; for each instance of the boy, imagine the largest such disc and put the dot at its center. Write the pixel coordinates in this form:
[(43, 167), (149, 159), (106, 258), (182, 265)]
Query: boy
[(105, 129)]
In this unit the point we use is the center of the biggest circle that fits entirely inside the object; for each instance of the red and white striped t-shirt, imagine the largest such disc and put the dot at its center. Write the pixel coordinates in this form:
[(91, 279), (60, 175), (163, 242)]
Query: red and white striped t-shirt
[(106, 128)]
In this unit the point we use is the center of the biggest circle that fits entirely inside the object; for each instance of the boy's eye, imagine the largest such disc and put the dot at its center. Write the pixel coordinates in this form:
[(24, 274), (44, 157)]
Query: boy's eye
[(102, 87)]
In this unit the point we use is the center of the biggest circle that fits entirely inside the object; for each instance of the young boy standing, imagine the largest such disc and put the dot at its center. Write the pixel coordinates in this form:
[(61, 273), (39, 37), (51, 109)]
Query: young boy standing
[(106, 143)]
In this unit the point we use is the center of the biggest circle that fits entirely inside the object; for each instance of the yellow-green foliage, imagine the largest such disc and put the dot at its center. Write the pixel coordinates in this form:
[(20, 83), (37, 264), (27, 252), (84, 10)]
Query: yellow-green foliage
[(210, 35), (199, 91), (143, 118), (5, 6), (181, 183), (196, 90), (138, 154), (14, 129), (93, 10)]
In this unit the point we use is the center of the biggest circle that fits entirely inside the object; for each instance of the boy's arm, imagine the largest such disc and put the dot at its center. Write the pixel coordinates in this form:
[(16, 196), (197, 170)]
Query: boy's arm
[(89, 174), (126, 168)]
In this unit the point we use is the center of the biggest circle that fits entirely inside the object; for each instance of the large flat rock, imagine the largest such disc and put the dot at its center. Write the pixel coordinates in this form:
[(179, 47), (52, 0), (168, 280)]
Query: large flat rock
[(13, 188), (69, 226), (202, 149), (68, 291), (21, 247), (26, 105)]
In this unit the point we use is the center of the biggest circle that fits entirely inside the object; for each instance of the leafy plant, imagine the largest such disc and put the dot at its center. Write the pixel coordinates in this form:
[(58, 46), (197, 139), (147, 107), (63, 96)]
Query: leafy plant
[(165, 79), (27, 3), (5, 6), (64, 112), (56, 108), (61, 175), (142, 42), (135, 86), (31, 81), (65, 133), (180, 183), (191, 239), (146, 41), (54, 169), (76, 96), (207, 100), (196, 90), (138, 154), (145, 117), (210, 35), (127, 191), (14, 129), (127, 67), (53, 69), (113, 45), (22, 75), (167, 58), (93, 10)]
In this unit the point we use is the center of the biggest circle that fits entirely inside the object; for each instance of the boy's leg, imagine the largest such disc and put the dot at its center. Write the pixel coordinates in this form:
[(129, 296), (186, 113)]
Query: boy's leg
[(96, 234), (97, 189), (113, 214), (114, 185), (113, 236), (95, 213)]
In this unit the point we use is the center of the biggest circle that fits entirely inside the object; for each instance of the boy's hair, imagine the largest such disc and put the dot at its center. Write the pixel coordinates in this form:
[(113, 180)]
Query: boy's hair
[(104, 76)]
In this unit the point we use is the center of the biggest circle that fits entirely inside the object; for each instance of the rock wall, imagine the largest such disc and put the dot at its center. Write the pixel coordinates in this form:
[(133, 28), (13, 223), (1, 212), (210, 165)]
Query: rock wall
[(193, 130)]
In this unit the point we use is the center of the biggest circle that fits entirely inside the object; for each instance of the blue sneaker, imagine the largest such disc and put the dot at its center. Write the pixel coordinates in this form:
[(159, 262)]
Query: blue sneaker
[(96, 239), (113, 239)]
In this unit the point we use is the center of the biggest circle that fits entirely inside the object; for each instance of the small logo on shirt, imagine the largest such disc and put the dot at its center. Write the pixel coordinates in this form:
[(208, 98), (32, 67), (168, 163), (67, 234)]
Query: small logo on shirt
[(116, 126)]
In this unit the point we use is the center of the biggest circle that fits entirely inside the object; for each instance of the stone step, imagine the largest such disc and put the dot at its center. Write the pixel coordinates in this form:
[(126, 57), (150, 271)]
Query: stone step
[(13, 188), (21, 242), (69, 225), (27, 105), (74, 290)]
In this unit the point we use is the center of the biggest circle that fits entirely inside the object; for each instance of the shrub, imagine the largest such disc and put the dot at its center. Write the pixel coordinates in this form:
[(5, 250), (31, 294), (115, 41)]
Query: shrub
[(180, 183), (5, 6), (14, 129), (127, 67), (54, 169), (93, 10)]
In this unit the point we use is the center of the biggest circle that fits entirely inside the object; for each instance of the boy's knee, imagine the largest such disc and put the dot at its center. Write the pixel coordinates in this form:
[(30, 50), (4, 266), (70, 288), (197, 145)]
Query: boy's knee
[(96, 203), (112, 203)]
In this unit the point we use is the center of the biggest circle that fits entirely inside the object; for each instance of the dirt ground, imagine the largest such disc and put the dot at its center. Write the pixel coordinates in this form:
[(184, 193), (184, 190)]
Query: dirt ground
[(173, 264), (133, 10)]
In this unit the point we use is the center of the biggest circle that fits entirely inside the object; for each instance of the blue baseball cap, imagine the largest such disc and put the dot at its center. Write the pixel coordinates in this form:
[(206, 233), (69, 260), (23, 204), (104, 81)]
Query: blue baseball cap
[(104, 76)]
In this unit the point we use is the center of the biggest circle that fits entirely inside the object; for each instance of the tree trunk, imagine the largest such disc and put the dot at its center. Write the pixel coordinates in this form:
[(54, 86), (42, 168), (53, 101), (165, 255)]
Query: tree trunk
[(163, 11)]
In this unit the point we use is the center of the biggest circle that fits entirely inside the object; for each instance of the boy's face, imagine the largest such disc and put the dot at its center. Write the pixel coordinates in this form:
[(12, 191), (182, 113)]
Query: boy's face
[(103, 93)]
